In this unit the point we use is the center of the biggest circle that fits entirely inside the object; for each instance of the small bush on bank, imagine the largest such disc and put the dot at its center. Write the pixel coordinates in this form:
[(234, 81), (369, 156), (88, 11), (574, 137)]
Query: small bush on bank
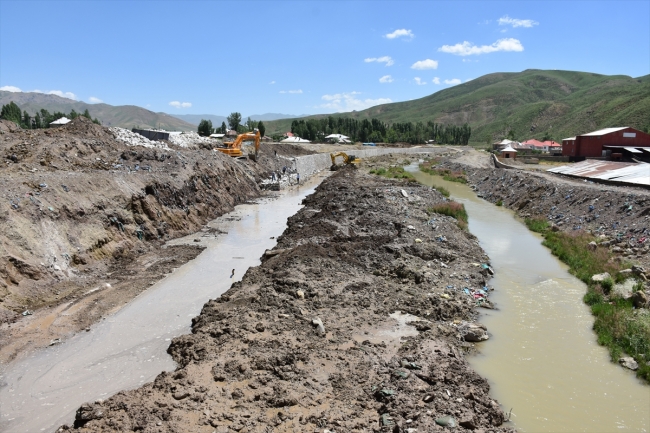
[(499, 202), (452, 209), (442, 190)]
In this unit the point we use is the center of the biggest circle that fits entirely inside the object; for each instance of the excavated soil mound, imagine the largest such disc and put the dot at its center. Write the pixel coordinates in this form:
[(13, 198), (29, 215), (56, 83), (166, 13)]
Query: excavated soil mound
[(355, 322)]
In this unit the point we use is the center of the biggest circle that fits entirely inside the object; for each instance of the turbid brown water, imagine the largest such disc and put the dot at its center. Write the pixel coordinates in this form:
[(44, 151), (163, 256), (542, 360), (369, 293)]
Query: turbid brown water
[(542, 359), (128, 348)]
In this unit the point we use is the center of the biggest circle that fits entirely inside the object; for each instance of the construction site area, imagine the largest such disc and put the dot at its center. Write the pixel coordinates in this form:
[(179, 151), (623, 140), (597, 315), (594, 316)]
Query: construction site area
[(179, 285)]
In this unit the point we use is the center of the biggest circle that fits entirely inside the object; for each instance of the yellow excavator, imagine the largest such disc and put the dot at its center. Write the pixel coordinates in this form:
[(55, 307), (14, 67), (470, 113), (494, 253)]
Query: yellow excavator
[(234, 148), (347, 159)]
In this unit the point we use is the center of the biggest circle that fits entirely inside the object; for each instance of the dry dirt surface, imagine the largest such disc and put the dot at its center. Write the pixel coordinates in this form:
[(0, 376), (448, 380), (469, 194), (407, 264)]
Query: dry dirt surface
[(85, 219), (354, 322)]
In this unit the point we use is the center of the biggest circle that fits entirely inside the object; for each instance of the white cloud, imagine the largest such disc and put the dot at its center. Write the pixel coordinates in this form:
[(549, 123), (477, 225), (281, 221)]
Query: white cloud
[(419, 81), (294, 92), (10, 89), (349, 102), (400, 33), (68, 95), (470, 61), (178, 104), (425, 64), (94, 100), (384, 59), (514, 22), (272, 82), (453, 81), (386, 79), (468, 49), (435, 80)]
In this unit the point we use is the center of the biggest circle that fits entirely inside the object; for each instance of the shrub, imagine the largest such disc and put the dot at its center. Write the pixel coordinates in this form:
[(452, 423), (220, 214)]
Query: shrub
[(452, 209), (499, 202)]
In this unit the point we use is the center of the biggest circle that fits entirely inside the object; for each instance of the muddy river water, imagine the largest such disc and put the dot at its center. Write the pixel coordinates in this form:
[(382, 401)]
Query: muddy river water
[(542, 359), (128, 349)]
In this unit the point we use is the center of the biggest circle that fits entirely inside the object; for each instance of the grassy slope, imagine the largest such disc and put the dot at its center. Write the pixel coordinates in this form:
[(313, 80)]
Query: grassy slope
[(125, 116), (531, 102)]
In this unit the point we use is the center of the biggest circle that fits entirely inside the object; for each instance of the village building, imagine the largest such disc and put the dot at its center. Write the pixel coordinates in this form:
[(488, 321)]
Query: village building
[(60, 122), (340, 138), (614, 143), (508, 152)]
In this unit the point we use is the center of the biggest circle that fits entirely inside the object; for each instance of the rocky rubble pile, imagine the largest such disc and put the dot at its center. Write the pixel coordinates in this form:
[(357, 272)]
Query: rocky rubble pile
[(191, 139), (133, 139), (352, 323)]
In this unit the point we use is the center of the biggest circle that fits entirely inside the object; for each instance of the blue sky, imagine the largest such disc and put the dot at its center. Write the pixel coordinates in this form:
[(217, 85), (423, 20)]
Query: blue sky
[(307, 57)]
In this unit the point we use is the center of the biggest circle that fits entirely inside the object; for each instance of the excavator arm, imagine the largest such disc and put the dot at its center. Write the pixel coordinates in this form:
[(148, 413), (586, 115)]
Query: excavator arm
[(234, 148)]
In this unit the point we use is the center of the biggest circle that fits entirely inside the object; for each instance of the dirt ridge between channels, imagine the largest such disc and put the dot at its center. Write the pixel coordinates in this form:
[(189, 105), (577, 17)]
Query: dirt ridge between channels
[(355, 322)]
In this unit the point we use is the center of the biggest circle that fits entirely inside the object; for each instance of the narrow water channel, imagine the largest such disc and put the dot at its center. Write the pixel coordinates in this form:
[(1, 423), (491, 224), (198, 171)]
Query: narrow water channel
[(542, 359), (128, 349)]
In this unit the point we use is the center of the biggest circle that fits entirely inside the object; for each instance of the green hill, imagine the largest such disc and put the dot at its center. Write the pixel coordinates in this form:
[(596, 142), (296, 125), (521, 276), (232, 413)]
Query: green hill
[(530, 103), (124, 116)]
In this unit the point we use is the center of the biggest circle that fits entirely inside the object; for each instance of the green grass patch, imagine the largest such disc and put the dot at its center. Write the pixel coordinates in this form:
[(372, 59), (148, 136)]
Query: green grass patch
[(619, 327), (447, 174), (442, 190), (452, 209), (499, 203), (393, 173)]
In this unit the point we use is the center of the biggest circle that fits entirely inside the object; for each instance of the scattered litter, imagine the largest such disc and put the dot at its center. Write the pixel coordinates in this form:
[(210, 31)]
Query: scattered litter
[(27, 313)]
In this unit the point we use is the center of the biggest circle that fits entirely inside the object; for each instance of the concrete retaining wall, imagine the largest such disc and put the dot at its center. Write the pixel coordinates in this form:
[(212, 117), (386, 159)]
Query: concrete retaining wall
[(310, 164)]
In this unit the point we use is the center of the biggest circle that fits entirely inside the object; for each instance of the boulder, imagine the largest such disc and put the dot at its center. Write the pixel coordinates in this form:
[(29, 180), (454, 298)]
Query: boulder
[(592, 246), (599, 278), (473, 332), (628, 362), (639, 299)]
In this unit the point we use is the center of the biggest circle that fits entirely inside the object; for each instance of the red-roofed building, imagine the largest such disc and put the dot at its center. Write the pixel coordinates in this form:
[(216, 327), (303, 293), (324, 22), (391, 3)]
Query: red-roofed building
[(288, 134), (621, 141)]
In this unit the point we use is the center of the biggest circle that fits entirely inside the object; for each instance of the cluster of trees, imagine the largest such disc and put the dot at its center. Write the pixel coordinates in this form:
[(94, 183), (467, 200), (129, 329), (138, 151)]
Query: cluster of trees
[(377, 131), (234, 121), (41, 119)]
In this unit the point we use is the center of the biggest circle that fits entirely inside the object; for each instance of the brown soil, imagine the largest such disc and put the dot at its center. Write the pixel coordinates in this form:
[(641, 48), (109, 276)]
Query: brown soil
[(315, 339), (85, 219)]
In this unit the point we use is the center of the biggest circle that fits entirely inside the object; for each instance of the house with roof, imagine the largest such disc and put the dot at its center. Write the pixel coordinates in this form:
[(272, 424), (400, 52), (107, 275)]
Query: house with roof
[(508, 152), (339, 138), (498, 145), (607, 142), (295, 140), (60, 122)]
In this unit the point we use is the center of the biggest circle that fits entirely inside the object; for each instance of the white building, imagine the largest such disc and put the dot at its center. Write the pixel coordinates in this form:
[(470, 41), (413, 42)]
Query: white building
[(60, 122), (340, 137)]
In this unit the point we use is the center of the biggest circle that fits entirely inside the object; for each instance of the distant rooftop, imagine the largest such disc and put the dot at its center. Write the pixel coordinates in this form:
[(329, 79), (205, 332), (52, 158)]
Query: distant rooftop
[(604, 131), (61, 121)]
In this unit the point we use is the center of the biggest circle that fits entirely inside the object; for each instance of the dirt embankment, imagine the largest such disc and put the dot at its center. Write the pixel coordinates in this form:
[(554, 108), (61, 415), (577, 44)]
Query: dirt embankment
[(355, 322), (84, 219), (618, 215)]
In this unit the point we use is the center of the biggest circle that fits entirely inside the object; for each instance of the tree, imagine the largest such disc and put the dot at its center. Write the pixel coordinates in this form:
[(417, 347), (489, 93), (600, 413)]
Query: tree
[(223, 128), (261, 127), (250, 124), (205, 128), (12, 112), (234, 120), (87, 114)]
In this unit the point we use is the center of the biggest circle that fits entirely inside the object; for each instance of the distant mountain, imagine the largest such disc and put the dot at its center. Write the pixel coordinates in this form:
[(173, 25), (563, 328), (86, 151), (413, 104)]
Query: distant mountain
[(530, 103), (272, 116), (195, 119), (124, 116)]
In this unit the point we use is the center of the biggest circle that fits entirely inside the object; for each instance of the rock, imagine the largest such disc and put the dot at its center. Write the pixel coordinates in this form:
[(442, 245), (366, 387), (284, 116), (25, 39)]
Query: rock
[(625, 272), (180, 395), (300, 294), (87, 412), (628, 362), (473, 333), (404, 193), (592, 246), (259, 327), (446, 421), (617, 249), (467, 421), (319, 323), (638, 270), (599, 278), (639, 299)]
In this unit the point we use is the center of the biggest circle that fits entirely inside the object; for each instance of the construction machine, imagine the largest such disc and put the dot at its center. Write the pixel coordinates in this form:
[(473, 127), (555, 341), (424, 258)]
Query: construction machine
[(347, 159), (234, 148)]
